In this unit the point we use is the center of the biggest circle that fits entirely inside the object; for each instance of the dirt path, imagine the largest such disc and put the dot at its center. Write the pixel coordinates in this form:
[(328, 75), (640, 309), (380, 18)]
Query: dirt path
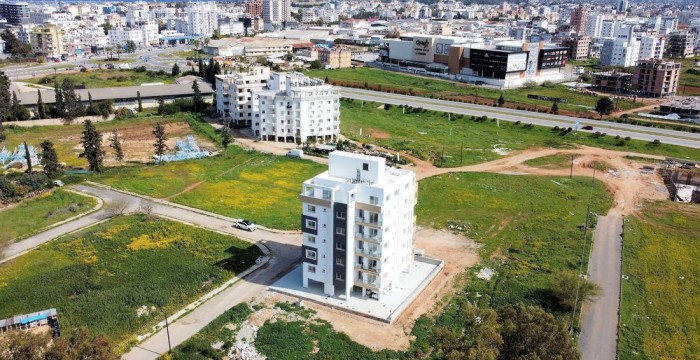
[(197, 184)]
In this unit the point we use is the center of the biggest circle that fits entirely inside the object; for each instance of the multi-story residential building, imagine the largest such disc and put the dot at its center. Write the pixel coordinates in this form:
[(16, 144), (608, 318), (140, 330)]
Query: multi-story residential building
[(15, 13), (47, 15), (612, 81), (579, 47), (656, 78), (578, 19), (607, 29), (651, 47), (594, 25), (121, 36), (136, 16), (294, 107), (233, 94), (619, 52), (622, 6), (335, 58), (201, 19), (276, 11), (668, 24), (680, 44), (47, 40), (254, 8), (357, 226)]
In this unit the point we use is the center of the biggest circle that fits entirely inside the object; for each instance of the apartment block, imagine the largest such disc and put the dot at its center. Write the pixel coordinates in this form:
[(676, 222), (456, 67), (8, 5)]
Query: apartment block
[(651, 47), (233, 94), (15, 13), (254, 8), (335, 58), (47, 40), (201, 19), (294, 107), (579, 47), (680, 45), (357, 225), (121, 36), (656, 78), (276, 11), (578, 19)]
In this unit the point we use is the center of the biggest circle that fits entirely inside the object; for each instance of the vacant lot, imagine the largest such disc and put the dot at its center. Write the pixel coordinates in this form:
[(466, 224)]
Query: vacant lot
[(105, 78), (424, 86), (463, 141), (135, 134), (660, 305), (100, 278), (261, 187), (31, 216), (557, 161)]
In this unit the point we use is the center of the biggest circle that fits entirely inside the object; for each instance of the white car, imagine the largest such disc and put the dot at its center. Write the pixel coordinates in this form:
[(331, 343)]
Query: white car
[(244, 225)]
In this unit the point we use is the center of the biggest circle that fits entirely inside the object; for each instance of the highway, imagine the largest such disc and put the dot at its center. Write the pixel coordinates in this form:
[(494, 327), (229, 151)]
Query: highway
[(633, 131)]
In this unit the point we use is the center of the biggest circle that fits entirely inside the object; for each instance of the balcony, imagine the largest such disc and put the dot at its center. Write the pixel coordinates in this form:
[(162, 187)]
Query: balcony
[(363, 221), (371, 283), (374, 252), (364, 237), (372, 269)]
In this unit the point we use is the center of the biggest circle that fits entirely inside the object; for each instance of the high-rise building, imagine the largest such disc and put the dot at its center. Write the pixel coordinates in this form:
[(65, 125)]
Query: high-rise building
[(619, 52), (651, 47), (656, 78), (254, 8), (294, 107), (276, 11), (233, 94), (15, 13), (594, 25), (47, 40), (622, 6), (357, 226), (201, 19), (579, 46), (578, 19), (680, 44)]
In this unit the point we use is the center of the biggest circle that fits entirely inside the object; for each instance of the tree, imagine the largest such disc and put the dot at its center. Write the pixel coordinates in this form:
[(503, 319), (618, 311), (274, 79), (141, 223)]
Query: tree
[(197, 98), (15, 107), (23, 345), (316, 64), (571, 290), (117, 146), (200, 68), (59, 106), (161, 105), (555, 108), (72, 102), (216, 35), (92, 146), (480, 338), (2, 133), (81, 345), (604, 106), (501, 100), (138, 98), (41, 108), (529, 332), (225, 139), (176, 70), (130, 46), (49, 159), (159, 144), (28, 158), (91, 105), (13, 45), (106, 27), (5, 98)]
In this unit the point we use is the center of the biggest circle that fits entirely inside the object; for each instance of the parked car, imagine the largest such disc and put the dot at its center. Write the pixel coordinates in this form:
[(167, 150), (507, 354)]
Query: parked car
[(587, 127), (57, 183), (244, 225), (297, 153)]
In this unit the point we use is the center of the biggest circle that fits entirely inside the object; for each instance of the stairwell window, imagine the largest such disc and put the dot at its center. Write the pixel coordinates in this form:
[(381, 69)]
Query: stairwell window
[(311, 254), (311, 224)]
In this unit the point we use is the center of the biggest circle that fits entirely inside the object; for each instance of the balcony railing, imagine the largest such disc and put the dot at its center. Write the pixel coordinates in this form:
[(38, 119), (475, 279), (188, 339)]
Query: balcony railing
[(372, 283), (364, 237), (377, 223), (373, 252)]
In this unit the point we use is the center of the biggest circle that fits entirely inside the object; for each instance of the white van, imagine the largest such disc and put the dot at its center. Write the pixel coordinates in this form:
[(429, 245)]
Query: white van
[(297, 153)]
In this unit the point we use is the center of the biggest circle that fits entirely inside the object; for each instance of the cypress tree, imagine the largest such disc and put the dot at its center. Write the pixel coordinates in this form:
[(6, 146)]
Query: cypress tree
[(92, 146), (49, 158), (15, 107), (555, 107), (59, 106), (72, 103), (28, 158), (2, 132), (5, 97), (138, 97), (159, 144), (200, 70), (41, 108), (117, 146), (176, 70), (91, 106), (197, 98), (161, 105), (501, 100)]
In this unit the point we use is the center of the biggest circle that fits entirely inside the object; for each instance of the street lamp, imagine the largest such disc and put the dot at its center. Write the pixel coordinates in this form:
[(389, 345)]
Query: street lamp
[(167, 330)]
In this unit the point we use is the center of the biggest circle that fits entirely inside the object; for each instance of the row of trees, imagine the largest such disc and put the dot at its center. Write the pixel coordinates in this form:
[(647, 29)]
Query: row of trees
[(604, 106)]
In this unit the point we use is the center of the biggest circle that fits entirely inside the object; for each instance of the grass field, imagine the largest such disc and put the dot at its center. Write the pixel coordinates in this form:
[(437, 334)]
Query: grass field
[(527, 235), (556, 161), (260, 187), (660, 304), (66, 138), (31, 216), (104, 78), (183, 54), (686, 78), (426, 133), (99, 277), (424, 86)]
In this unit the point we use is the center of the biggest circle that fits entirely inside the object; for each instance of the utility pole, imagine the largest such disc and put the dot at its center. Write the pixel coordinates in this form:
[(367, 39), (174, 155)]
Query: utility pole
[(461, 153), (571, 173), (167, 331)]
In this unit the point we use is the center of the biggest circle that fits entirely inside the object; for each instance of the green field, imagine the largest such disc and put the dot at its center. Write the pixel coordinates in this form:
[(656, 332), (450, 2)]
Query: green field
[(260, 187), (556, 161), (31, 216), (98, 278), (183, 54), (528, 226), (424, 86), (660, 304), (466, 141), (686, 78), (66, 138), (104, 78)]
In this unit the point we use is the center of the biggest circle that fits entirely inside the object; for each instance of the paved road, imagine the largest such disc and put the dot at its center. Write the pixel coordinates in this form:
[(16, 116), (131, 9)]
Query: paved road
[(284, 248), (598, 339), (636, 132)]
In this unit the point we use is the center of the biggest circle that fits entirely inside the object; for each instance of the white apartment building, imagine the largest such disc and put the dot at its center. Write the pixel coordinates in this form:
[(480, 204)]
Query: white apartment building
[(620, 52), (201, 19), (276, 11), (233, 94), (607, 31), (594, 25), (136, 16), (294, 107), (149, 31), (120, 36), (357, 226), (651, 47)]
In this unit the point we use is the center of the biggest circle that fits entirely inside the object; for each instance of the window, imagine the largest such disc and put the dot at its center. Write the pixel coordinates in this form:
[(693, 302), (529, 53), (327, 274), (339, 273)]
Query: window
[(340, 261), (311, 208), (312, 269), (365, 166), (340, 231), (373, 200), (340, 215), (311, 254), (311, 239), (311, 224), (340, 246), (326, 195), (339, 276)]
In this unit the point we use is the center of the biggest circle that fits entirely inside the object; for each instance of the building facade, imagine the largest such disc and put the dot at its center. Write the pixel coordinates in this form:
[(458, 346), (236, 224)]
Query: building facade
[(201, 19), (233, 94), (15, 13), (357, 226), (680, 45), (620, 52), (293, 107), (656, 78), (578, 46), (47, 40), (335, 58), (578, 19), (651, 47)]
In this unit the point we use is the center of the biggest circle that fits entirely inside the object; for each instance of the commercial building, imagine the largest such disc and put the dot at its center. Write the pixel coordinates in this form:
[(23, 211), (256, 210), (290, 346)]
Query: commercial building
[(578, 19), (15, 13), (680, 45), (233, 94), (357, 226), (656, 78), (612, 81), (578, 46), (335, 58), (294, 107), (47, 40)]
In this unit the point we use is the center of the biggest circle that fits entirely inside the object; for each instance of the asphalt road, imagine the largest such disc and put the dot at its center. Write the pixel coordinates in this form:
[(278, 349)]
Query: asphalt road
[(598, 340), (284, 248), (636, 132)]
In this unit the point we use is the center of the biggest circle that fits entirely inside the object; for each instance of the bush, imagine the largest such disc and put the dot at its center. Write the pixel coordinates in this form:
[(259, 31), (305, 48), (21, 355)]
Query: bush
[(548, 84)]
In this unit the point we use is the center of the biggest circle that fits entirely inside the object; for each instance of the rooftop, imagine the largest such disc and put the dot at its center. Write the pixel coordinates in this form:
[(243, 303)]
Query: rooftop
[(690, 102), (116, 93)]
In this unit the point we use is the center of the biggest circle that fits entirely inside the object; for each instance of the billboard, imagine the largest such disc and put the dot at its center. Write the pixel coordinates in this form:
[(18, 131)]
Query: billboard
[(423, 49), (516, 62)]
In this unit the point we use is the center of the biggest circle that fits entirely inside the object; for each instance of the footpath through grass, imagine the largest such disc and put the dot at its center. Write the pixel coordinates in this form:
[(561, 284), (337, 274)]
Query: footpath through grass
[(31, 216), (660, 303), (465, 141), (260, 187), (100, 277), (105, 78), (556, 161), (425, 86)]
